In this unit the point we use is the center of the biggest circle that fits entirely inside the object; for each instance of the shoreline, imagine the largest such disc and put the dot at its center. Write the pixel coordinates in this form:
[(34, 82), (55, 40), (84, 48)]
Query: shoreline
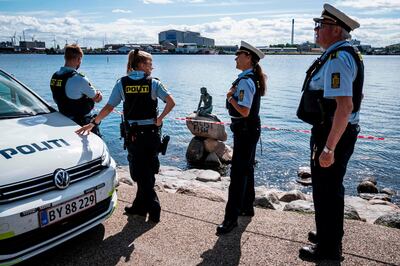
[(209, 184)]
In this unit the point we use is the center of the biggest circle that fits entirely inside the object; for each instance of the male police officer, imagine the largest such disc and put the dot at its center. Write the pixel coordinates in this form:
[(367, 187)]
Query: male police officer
[(332, 93), (72, 91)]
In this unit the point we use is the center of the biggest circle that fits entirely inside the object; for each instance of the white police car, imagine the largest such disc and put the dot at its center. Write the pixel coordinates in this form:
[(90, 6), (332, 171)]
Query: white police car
[(54, 184)]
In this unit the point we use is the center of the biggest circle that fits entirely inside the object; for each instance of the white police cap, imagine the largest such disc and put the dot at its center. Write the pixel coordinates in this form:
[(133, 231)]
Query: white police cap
[(246, 47), (334, 14)]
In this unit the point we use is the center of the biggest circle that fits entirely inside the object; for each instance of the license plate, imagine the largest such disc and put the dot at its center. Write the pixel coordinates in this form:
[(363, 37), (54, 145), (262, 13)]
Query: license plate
[(67, 209)]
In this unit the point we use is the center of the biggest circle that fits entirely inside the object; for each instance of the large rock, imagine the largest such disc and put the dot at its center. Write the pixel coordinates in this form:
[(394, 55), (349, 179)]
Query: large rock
[(292, 196), (390, 220), (371, 179), (351, 213), (208, 176), (371, 196), (212, 161), (195, 151), (388, 191), (304, 176), (264, 202), (223, 151), (200, 126), (367, 187), (301, 206)]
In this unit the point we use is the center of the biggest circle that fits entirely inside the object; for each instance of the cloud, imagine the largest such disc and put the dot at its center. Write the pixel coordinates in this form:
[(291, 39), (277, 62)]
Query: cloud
[(157, 1), (264, 30), (121, 11), (375, 4)]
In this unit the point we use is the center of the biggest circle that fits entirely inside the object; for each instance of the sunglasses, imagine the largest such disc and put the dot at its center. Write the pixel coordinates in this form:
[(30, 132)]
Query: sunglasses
[(319, 24)]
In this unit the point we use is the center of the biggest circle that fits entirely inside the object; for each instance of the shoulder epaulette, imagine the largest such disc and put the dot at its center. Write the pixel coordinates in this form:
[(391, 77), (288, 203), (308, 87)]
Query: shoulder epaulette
[(80, 74), (334, 55)]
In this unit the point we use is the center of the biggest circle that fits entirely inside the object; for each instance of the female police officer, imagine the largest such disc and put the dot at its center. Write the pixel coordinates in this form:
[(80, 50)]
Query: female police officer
[(139, 92), (243, 103)]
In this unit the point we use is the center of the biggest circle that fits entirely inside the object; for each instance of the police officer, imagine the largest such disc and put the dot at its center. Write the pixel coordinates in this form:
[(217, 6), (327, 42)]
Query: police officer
[(243, 103), (72, 91), (332, 93), (139, 92)]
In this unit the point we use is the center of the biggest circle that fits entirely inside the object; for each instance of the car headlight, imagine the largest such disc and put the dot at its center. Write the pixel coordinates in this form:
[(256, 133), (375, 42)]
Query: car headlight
[(105, 157)]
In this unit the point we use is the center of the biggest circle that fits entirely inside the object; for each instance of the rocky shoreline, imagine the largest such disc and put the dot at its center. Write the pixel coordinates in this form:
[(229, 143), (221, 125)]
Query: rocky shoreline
[(368, 207)]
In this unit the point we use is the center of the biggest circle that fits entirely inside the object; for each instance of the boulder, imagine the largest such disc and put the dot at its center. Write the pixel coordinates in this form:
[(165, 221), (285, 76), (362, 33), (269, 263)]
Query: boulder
[(351, 213), (304, 172), (388, 191), (304, 176), (379, 196), (301, 206), (208, 176), (211, 145), (195, 151), (367, 187), (371, 179), (226, 155), (212, 161), (292, 195), (200, 126), (390, 220), (264, 202)]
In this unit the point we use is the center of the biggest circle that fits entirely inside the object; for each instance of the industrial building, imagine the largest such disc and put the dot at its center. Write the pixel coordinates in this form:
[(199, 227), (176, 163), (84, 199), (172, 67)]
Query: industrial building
[(176, 36)]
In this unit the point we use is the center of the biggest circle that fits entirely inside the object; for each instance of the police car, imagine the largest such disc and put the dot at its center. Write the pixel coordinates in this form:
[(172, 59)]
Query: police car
[(54, 184)]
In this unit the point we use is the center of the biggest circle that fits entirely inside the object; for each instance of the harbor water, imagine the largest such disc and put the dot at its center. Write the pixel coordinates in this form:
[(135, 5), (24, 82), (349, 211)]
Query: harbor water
[(280, 152)]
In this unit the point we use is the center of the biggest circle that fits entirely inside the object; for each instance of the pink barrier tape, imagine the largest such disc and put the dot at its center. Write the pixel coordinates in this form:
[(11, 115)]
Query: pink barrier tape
[(263, 126)]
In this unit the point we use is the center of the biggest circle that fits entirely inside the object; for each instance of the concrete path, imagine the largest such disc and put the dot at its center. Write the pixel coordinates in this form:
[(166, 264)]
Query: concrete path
[(186, 236)]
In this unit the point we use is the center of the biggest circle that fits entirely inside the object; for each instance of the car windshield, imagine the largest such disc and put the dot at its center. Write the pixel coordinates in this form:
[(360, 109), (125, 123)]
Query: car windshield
[(17, 101)]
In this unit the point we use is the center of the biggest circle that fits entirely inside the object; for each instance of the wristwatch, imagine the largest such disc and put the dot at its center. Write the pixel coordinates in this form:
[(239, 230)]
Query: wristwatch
[(93, 121), (327, 150)]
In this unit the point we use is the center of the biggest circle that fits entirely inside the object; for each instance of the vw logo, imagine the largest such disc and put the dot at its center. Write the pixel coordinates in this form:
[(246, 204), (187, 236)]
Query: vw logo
[(61, 178)]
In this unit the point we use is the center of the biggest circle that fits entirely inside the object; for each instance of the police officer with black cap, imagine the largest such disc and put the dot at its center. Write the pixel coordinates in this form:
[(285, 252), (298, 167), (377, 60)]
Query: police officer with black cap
[(139, 93), (243, 103), (72, 91), (332, 94)]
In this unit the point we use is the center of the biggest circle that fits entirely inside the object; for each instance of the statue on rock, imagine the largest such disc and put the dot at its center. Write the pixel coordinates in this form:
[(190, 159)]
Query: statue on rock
[(207, 107)]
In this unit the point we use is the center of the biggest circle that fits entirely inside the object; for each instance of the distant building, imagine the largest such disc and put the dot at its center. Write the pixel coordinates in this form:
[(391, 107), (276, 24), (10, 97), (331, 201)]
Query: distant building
[(186, 48), (32, 45), (176, 36), (227, 49)]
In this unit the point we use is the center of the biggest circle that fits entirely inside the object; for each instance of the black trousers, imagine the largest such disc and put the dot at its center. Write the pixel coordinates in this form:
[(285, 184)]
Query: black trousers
[(241, 189), (143, 165), (328, 189)]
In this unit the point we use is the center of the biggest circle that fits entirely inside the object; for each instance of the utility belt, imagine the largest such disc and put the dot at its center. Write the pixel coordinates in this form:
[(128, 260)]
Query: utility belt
[(242, 124), (130, 132)]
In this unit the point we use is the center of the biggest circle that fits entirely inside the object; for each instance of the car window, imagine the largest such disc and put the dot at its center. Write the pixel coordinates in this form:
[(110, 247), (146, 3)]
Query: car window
[(16, 101)]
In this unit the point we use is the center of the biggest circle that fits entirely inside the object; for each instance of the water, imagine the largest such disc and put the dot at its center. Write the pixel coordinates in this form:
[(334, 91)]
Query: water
[(282, 151)]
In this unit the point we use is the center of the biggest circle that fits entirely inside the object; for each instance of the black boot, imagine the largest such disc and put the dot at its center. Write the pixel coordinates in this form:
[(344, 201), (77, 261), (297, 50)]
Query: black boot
[(154, 214), (226, 227), (315, 253), (135, 211), (312, 237)]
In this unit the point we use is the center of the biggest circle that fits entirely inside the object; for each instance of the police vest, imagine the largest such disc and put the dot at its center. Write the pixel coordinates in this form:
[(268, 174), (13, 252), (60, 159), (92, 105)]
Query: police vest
[(255, 106), (138, 104), (76, 108), (314, 108)]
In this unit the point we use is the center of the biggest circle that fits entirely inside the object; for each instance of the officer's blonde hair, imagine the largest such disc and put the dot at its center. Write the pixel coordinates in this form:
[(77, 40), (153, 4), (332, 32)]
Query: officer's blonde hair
[(135, 57)]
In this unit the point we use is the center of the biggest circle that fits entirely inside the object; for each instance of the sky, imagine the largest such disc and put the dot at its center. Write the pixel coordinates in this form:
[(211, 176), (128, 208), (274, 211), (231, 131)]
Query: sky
[(93, 23)]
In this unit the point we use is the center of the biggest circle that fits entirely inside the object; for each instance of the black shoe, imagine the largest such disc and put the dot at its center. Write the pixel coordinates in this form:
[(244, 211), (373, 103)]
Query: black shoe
[(135, 211), (313, 253), (312, 237), (226, 227), (248, 212), (154, 214)]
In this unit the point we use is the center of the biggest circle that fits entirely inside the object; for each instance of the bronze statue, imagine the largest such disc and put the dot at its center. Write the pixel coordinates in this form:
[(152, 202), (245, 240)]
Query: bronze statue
[(206, 99)]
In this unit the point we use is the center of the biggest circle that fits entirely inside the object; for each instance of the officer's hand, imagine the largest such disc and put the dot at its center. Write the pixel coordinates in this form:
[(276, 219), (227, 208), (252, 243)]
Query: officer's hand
[(98, 97), (231, 91), (158, 121), (85, 130), (326, 159)]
